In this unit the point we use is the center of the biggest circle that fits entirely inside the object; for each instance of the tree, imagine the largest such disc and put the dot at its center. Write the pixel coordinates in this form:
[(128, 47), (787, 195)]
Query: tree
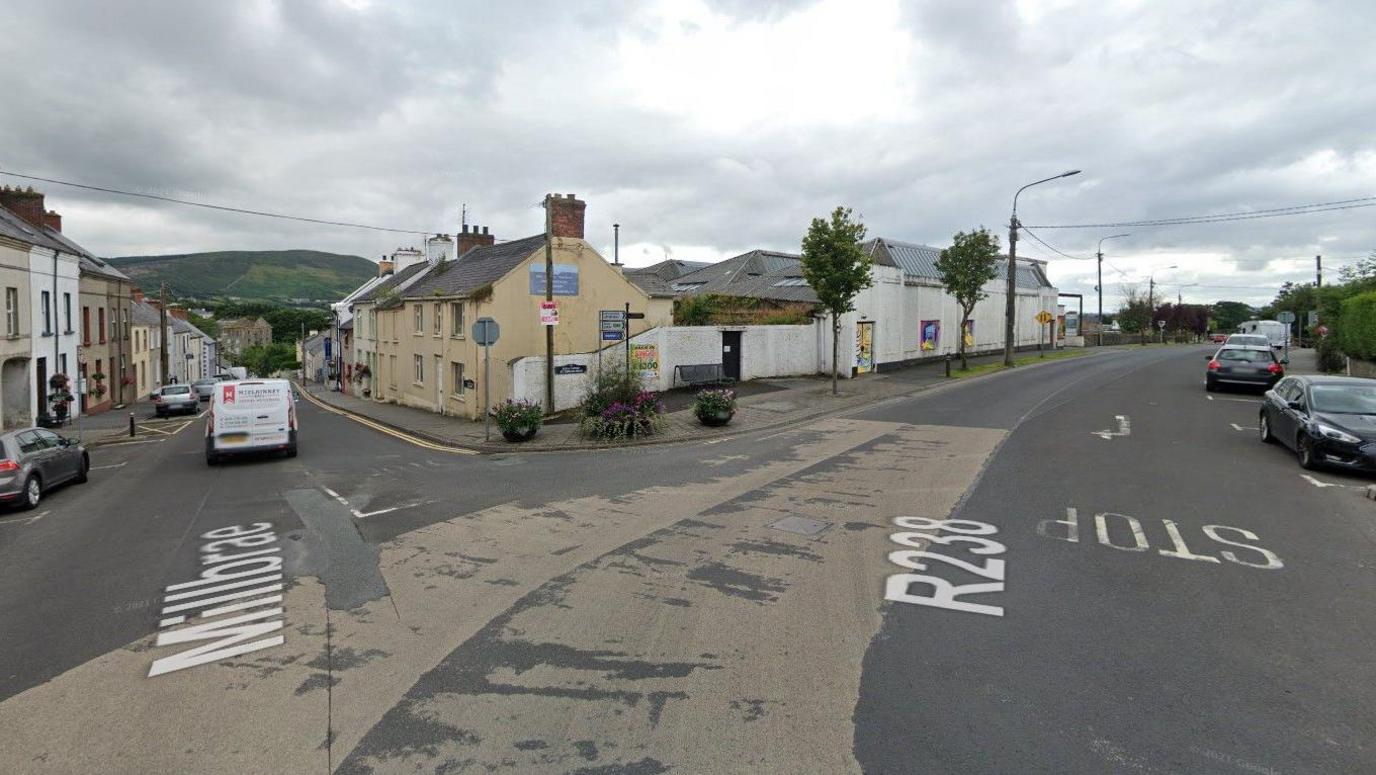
[(265, 360), (837, 269), (1135, 315), (1228, 315), (965, 268)]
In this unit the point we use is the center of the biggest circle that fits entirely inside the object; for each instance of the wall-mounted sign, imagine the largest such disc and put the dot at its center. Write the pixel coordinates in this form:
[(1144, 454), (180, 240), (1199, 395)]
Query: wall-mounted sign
[(931, 336), (470, 384), (549, 313), (645, 359), (565, 279), (571, 368)]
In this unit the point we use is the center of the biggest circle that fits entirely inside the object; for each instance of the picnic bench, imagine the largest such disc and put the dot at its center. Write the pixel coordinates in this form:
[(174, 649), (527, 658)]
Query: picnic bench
[(699, 374)]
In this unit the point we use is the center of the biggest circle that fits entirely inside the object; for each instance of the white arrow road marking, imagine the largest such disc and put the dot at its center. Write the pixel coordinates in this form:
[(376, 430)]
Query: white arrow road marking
[(1237, 427), (411, 505), (1317, 483), (1124, 428)]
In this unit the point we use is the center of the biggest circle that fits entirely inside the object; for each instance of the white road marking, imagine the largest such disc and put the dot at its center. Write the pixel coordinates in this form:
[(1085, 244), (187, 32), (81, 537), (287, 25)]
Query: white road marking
[(1124, 428), (1237, 427), (113, 465), (1317, 483), (25, 520), (1254, 402), (1209, 397), (1139, 538), (411, 505), (718, 441), (136, 441)]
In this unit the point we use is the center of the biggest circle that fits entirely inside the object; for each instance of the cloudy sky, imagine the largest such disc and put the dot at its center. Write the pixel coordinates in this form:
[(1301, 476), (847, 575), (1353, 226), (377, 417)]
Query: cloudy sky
[(708, 128)]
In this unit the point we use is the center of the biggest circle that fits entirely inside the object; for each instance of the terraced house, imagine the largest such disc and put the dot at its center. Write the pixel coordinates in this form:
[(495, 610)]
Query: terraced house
[(105, 366), (412, 332)]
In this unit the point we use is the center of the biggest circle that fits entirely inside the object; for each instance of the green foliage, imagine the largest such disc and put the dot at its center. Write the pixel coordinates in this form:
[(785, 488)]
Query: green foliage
[(1228, 315), (267, 360), (694, 310), (617, 407), (276, 275), (833, 262), (1134, 317), (286, 321), (518, 415), (1330, 357), (710, 309), (965, 267), (712, 402), (1357, 326), (208, 325)]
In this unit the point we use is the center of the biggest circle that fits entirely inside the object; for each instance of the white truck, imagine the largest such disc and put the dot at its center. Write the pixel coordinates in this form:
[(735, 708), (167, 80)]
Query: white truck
[(1273, 330)]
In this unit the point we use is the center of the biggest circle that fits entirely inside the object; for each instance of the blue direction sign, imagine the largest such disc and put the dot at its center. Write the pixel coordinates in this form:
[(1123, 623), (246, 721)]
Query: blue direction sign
[(612, 324)]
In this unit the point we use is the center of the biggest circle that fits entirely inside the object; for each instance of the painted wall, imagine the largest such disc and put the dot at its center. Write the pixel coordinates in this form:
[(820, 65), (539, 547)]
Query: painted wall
[(16, 347), (60, 345)]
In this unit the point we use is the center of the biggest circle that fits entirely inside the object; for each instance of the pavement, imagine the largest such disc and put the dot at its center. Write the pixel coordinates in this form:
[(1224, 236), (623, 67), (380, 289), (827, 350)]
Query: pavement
[(1131, 582)]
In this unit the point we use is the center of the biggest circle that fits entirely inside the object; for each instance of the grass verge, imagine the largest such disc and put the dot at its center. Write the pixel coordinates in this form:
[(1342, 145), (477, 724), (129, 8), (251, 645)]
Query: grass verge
[(1057, 355)]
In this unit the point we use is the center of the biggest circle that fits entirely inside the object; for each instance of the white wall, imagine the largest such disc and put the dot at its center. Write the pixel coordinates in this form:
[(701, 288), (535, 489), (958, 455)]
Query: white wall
[(68, 282)]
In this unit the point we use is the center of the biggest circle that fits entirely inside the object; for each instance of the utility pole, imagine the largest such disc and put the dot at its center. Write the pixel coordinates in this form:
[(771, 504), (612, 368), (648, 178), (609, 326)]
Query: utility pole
[(162, 332), (1318, 271), (1100, 288), (549, 296), (1151, 306), (1011, 306), (303, 355)]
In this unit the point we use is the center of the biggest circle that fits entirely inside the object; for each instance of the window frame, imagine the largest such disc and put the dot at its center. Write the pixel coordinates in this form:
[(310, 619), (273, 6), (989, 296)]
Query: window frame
[(418, 369), (438, 312), (45, 299), (420, 318), (12, 311), (456, 315), (456, 370)]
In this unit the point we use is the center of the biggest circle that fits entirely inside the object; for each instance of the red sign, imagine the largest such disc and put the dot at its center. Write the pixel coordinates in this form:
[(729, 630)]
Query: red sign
[(229, 394), (549, 313), (1322, 330)]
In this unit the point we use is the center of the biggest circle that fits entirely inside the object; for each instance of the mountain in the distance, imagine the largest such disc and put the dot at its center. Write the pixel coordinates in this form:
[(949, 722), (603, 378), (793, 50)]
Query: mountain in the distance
[(269, 275)]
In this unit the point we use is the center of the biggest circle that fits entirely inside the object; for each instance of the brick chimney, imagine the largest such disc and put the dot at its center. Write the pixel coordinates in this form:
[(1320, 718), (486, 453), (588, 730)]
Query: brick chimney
[(136, 294), (177, 312), (473, 239), (385, 267), (53, 221), (25, 203), (566, 215)]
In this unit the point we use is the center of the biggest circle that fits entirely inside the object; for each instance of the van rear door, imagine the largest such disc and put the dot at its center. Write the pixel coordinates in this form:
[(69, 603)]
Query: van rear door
[(252, 414)]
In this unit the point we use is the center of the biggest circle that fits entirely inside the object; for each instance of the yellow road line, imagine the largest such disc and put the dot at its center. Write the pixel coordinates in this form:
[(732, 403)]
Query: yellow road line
[(382, 428)]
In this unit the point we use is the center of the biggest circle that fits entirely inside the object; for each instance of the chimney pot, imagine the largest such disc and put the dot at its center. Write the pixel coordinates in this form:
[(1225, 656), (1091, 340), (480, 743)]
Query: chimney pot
[(27, 204), (566, 216), (484, 230)]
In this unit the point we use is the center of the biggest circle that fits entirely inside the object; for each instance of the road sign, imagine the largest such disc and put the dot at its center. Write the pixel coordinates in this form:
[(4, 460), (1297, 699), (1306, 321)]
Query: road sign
[(612, 324), (549, 313), (1322, 330), (1287, 317), (485, 331), (1045, 317), (1313, 317)]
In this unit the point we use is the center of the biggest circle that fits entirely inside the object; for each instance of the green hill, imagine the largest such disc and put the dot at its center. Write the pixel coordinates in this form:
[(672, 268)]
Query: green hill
[(269, 275)]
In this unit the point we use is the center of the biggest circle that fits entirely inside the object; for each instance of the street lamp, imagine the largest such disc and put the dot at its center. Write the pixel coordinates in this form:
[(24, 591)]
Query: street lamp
[(1100, 286), (1011, 308)]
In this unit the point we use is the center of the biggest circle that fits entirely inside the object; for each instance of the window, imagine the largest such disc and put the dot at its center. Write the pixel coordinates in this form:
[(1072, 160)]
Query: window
[(124, 323), (439, 319), (100, 366), (1247, 356), (420, 318), (420, 369), (62, 363), (100, 317), (114, 326), (67, 312), (456, 319), (392, 371), (12, 311), (47, 313), (456, 372), (85, 325)]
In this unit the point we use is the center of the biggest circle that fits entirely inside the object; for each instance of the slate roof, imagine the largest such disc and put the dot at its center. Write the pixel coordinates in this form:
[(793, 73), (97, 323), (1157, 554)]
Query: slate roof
[(476, 268), (760, 274), (11, 225), (399, 278), (669, 269), (652, 284), (144, 314)]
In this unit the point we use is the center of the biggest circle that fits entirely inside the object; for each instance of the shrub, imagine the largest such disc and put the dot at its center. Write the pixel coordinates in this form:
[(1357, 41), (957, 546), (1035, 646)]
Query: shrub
[(514, 415), (617, 407), (1330, 358), (710, 403), (1357, 326)]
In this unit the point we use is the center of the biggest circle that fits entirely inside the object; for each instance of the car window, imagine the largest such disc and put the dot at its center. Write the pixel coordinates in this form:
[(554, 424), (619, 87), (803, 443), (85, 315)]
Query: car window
[(1248, 340), (1247, 356), (29, 442), (49, 438), (171, 390), (1344, 399)]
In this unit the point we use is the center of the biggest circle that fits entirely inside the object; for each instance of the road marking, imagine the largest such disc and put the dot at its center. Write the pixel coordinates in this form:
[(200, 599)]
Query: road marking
[(1317, 483), (1068, 530), (1251, 401), (718, 441), (1237, 427), (944, 594), (112, 465), (412, 505), (25, 520), (136, 441), (1124, 428)]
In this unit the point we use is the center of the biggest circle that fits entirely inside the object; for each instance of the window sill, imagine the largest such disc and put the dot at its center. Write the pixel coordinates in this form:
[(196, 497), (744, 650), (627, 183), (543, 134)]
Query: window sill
[(457, 336), (68, 332), (418, 384), (46, 333)]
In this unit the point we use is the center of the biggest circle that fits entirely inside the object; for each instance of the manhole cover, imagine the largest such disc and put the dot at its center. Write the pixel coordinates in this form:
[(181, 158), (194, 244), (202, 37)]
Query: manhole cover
[(801, 525)]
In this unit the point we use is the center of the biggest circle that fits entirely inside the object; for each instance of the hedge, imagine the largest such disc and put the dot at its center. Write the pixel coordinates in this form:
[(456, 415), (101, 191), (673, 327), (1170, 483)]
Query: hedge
[(1357, 326)]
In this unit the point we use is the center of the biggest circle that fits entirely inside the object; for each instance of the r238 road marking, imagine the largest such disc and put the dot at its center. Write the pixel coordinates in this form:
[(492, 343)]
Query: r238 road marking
[(1068, 530)]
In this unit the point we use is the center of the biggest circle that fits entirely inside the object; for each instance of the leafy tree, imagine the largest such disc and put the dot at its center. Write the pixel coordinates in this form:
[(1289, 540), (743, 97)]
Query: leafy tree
[(208, 325), (837, 269), (265, 360), (965, 268), (1228, 315), (1135, 314)]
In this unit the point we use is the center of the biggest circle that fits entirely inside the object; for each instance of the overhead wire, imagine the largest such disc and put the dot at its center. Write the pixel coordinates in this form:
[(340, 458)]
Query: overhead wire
[(1246, 215)]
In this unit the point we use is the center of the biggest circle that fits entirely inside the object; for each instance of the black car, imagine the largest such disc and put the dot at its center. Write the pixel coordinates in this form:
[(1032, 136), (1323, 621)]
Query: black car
[(1249, 365), (1326, 420)]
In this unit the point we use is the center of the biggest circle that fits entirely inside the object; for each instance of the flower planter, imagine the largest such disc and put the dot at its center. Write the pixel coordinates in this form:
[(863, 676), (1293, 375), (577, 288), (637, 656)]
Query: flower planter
[(519, 434), (716, 419)]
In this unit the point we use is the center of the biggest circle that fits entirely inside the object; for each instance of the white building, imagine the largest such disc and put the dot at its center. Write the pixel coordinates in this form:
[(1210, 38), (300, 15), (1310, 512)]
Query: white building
[(54, 304)]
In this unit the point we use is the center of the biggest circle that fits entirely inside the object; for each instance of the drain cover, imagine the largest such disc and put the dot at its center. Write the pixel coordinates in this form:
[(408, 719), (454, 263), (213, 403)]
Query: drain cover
[(801, 525)]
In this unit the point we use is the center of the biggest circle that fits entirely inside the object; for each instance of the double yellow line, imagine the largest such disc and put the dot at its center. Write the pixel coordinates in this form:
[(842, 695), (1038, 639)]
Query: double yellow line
[(380, 428)]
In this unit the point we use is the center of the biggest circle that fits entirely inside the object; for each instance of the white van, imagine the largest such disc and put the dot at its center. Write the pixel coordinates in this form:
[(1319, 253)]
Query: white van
[(250, 416), (1274, 330)]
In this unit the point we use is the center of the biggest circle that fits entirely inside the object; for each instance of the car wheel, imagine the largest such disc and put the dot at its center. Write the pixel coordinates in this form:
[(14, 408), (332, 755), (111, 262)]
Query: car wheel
[(1264, 429), (291, 451), (33, 492), (1210, 386), (83, 473), (1304, 450), (212, 459)]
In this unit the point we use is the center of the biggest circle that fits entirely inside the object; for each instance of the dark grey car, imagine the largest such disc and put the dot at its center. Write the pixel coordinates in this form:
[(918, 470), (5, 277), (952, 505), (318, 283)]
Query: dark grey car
[(1243, 366), (35, 460)]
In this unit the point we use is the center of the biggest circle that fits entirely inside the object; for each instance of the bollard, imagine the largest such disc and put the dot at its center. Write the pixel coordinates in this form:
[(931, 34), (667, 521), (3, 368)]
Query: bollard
[(948, 365), (131, 425)]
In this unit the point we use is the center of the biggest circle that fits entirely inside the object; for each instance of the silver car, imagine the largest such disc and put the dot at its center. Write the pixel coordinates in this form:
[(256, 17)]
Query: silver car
[(35, 460), (204, 388), (175, 398)]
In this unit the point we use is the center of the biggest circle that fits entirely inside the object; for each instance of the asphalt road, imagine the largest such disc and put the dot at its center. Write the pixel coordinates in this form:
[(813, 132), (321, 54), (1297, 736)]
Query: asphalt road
[(720, 607)]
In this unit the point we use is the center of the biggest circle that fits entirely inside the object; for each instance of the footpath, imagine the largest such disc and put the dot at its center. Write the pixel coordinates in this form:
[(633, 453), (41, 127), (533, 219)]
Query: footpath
[(762, 404)]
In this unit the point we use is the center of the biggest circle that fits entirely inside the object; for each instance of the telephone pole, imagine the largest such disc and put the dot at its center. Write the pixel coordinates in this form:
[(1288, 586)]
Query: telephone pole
[(1318, 271), (162, 332), (1100, 286)]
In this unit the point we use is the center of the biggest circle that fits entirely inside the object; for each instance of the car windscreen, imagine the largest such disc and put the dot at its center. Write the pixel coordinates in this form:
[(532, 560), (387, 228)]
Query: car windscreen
[(1343, 399), (1247, 356), (172, 390)]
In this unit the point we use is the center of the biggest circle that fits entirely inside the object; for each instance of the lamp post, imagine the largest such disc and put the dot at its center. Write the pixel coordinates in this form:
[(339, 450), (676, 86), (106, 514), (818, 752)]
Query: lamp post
[(1100, 286), (1011, 308), (1151, 300)]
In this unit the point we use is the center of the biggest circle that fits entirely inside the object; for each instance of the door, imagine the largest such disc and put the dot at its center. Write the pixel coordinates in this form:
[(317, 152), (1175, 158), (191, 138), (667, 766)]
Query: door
[(42, 377), (62, 464), (731, 355), (1290, 419), (864, 347), (37, 455)]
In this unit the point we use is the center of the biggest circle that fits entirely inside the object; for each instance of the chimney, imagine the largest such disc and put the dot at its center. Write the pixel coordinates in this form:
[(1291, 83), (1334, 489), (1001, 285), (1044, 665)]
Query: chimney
[(473, 239), (25, 203), (177, 312), (566, 215), (53, 221), (136, 294), (384, 267)]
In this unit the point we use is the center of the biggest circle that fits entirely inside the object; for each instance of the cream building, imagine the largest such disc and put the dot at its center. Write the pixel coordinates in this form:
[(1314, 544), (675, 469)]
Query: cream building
[(16, 331)]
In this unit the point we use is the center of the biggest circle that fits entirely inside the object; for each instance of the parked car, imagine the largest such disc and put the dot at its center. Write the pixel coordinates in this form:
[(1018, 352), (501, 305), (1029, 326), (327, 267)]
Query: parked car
[(1248, 340), (35, 460), (1325, 420), (175, 398), (204, 387), (1218, 338), (250, 416), (1253, 366)]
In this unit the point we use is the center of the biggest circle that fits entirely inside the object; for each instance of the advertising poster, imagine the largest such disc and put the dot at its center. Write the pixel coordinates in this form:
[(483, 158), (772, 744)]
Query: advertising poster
[(645, 359), (969, 334), (864, 348), (931, 335)]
